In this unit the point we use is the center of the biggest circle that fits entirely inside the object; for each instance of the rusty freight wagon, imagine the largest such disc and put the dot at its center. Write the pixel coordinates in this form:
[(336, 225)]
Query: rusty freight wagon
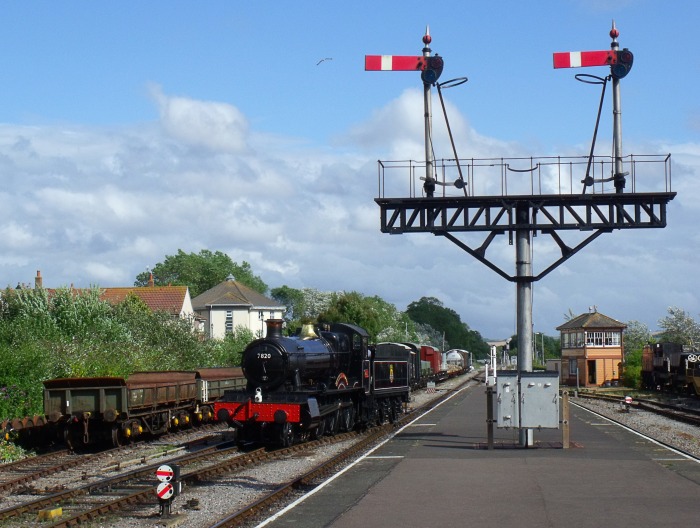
[(113, 410)]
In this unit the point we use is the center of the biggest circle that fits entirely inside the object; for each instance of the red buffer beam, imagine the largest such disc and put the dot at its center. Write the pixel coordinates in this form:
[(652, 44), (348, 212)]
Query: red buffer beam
[(394, 63), (578, 59)]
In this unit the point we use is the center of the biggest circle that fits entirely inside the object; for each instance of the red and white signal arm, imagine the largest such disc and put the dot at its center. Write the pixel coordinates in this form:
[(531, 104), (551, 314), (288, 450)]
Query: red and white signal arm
[(165, 473), (165, 490), (394, 63), (579, 59)]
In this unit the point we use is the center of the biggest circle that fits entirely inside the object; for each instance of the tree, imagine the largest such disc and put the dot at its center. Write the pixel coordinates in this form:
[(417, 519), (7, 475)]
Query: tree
[(381, 319), (303, 306), (636, 336), (679, 327), (430, 311), (200, 272)]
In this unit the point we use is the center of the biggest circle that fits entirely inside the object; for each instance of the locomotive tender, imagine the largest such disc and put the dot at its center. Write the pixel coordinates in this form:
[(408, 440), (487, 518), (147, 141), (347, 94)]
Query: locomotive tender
[(324, 380)]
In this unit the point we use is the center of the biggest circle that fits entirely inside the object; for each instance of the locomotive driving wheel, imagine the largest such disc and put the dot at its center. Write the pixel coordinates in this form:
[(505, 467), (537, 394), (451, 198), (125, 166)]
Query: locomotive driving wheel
[(320, 430), (333, 425), (286, 434), (348, 419)]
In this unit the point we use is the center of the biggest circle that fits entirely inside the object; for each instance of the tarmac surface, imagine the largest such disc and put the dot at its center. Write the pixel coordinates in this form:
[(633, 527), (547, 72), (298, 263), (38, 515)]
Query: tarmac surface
[(438, 472)]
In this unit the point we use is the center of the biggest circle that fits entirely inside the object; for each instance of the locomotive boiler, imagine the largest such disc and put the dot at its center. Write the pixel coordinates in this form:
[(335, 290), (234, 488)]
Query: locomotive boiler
[(277, 362)]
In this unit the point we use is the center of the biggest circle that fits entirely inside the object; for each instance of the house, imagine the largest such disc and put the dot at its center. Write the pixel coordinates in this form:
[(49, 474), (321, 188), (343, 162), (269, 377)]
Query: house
[(231, 304), (591, 349)]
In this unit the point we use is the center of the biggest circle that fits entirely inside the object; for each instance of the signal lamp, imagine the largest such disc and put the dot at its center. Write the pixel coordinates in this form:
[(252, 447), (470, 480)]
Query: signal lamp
[(623, 63), (433, 70)]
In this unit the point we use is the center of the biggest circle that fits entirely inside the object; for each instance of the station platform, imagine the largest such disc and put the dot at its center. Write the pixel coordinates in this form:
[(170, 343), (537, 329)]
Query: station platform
[(438, 472)]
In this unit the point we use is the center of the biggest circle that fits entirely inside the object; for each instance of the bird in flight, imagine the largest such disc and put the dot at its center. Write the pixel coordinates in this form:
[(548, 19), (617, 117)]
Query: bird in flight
[(327, 58)]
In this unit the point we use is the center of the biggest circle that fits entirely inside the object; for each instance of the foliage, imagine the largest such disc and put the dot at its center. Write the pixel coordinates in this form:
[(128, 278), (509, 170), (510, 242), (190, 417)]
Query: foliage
[(303, 306), (636, 336), (430, 311), (200, 272), (229, 351), (380, 318), (632, 370), (10, 452), (679, 327)]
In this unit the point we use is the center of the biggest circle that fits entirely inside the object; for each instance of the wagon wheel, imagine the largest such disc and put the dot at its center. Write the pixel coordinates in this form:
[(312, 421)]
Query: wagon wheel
[(116, 437), (393, 413), (286, 434), (68, 439)]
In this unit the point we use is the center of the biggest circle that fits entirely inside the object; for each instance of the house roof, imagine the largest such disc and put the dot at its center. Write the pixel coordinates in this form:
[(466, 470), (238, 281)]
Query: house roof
[(169, 299), (232, 293), (591, 320)]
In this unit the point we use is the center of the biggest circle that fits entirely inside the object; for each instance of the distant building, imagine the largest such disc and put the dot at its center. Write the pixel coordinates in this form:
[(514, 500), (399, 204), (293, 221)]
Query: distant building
[(231, 304), (591, 349)]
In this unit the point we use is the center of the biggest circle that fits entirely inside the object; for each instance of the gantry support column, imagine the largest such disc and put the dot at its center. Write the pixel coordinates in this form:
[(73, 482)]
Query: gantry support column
[(524, 304)]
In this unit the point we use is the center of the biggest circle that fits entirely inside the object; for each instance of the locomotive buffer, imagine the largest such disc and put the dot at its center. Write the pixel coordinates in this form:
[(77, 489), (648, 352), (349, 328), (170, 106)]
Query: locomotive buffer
[(524, 197)]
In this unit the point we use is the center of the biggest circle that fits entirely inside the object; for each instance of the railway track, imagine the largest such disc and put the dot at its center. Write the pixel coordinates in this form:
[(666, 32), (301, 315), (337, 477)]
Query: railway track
[(680, 413), (20, 472), (82, 503)]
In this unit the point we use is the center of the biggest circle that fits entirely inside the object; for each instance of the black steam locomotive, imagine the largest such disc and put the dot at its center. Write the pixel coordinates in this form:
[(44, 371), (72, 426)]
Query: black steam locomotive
[(324, 380), (671, 367)]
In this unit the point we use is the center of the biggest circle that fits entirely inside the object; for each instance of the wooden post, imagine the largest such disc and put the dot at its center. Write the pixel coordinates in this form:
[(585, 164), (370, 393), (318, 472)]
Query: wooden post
[(489, 415), (565, 419)]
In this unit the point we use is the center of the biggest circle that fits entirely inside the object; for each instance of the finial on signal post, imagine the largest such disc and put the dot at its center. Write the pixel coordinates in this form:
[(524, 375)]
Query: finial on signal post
[(614, 33)]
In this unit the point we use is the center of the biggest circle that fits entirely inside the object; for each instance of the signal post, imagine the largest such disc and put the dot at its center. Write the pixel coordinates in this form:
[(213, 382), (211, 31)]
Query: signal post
[(593, 212)]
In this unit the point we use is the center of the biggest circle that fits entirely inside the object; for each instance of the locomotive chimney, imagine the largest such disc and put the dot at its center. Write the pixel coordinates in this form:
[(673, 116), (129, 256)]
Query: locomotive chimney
[(274, 327)]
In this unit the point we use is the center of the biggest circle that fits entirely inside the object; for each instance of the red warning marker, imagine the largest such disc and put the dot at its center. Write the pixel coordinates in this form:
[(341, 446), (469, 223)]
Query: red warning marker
[(165, 490), (579, 59), (165, 473)]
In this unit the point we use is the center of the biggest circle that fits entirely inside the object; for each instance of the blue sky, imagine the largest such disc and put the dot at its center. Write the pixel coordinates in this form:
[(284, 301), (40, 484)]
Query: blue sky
[(129, 130)]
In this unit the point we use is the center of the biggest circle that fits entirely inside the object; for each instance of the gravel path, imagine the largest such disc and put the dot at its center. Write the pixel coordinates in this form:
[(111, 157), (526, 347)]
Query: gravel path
[(682, 436)]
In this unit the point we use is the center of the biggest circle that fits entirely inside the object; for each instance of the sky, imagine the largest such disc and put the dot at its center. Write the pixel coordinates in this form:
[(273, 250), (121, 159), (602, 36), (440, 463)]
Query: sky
[(131, 130)]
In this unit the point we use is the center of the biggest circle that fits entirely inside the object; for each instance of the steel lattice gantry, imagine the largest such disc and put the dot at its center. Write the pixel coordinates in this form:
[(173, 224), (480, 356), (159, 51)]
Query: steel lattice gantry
[(547, 214)]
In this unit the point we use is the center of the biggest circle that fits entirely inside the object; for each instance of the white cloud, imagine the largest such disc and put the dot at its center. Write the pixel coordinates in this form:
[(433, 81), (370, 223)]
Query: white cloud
[(216, 126), (98, 206)]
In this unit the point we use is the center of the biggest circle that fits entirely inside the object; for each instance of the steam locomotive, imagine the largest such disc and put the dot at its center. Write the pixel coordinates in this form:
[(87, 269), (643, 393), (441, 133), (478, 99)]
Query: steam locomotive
[(324, 380), (671, 367)]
